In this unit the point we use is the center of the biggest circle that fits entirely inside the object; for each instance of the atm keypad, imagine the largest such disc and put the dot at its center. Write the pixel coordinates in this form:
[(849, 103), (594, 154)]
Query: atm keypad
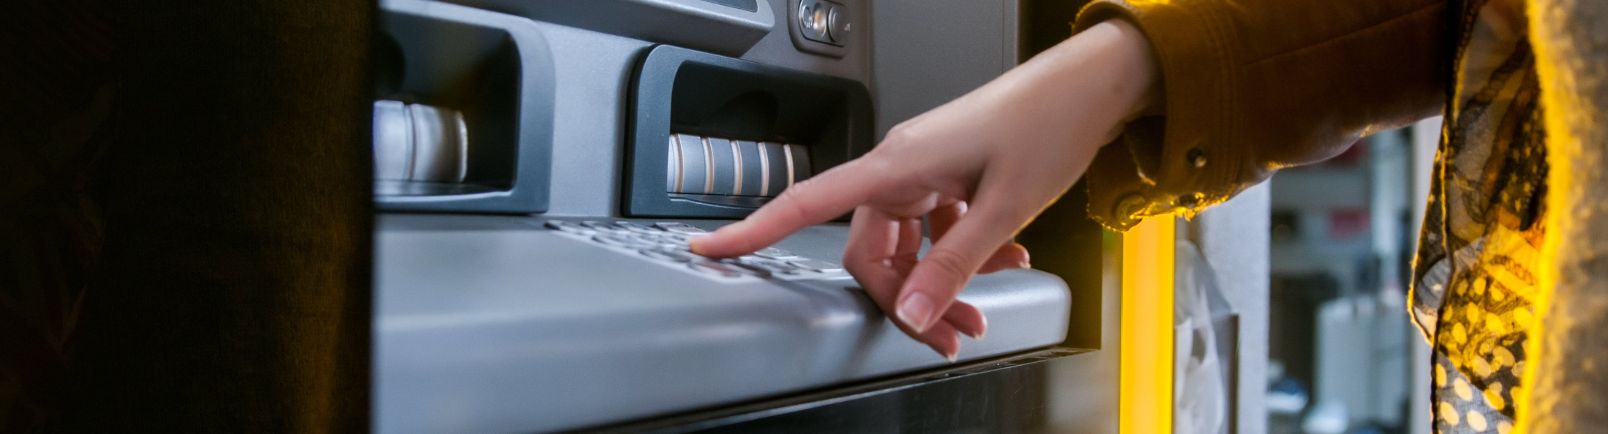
[(666, 243), (775, 253), (680, 228)]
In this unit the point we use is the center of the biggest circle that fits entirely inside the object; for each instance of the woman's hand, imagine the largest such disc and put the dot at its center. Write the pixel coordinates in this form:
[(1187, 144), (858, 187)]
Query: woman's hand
[(979, 168)]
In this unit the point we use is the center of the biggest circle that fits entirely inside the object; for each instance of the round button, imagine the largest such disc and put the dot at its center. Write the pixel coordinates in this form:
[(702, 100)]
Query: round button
[(805, 11), (818, 21), (812, 17), (839, 23)]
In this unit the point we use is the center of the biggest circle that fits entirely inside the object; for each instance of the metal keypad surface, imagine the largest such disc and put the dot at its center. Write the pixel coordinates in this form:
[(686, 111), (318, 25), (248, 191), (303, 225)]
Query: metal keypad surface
[(665, 243), (502, 324)]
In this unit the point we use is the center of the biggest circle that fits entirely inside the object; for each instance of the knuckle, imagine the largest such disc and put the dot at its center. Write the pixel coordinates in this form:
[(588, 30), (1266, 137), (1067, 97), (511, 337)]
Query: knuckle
[(748, 245), (792, 200), (853, 258), (871, 173), (949, 262), (854, 267), (901, 136), (904, 260)]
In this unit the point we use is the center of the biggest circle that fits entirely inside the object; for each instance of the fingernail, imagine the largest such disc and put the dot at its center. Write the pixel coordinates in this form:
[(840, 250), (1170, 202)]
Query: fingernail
[(916, 311), (982, 328), (951, 357), (1024, 264), (694, 243)]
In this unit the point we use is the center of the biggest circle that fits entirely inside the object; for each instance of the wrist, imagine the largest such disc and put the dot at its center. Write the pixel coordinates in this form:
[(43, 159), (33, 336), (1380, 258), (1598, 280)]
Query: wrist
[(1127, 67), (1102, 77)]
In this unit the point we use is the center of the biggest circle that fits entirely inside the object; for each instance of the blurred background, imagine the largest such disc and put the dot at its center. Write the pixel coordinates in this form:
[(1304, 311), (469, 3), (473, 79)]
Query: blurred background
[(1343, 356)]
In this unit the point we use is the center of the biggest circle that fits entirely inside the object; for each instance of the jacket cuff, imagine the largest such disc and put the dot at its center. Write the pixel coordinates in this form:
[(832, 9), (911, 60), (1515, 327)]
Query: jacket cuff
[(1173, 164)]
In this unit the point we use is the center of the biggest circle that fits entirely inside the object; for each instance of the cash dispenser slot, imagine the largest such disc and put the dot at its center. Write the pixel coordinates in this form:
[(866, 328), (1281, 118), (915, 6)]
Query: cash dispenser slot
[(714, 166), (462, 117), (713, 136)]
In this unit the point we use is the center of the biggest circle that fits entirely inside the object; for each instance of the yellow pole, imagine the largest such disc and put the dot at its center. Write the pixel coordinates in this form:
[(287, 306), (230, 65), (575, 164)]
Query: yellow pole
[(1146, 378)]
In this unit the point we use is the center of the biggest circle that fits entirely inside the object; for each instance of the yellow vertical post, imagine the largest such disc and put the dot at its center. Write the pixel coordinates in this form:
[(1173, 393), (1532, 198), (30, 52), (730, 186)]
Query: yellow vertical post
[(1146, 378)]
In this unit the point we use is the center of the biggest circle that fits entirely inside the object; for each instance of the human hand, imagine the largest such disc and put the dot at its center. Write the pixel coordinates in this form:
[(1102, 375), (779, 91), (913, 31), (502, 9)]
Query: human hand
[(978, 168)]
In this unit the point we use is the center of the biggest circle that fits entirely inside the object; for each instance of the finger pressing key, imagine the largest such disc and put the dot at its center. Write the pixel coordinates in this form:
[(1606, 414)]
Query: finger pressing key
[(812, 201)]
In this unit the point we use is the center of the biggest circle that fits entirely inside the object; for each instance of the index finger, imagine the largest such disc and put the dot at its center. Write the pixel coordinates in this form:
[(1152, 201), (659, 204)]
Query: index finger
[(817, 199)]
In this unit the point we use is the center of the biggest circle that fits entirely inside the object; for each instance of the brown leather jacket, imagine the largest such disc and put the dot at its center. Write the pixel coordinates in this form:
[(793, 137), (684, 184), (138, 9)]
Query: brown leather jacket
[(1252, 86)]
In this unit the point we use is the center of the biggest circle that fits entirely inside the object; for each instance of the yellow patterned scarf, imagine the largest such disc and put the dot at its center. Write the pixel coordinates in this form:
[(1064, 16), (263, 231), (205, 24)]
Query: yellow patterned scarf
[(1475, 276)]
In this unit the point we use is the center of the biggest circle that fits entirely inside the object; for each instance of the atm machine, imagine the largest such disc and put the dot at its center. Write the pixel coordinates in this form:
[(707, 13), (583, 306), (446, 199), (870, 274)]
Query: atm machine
[(540, 165)]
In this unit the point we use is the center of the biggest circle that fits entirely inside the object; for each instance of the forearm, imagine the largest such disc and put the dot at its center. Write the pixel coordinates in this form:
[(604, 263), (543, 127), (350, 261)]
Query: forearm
[(1105, 74)]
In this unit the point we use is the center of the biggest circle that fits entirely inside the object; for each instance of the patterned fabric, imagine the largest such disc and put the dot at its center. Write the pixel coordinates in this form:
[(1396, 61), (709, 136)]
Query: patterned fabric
[(1475, 275)]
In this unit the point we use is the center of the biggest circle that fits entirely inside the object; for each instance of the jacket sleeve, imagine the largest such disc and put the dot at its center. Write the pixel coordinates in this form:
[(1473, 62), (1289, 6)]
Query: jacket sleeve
[(1251, 86)]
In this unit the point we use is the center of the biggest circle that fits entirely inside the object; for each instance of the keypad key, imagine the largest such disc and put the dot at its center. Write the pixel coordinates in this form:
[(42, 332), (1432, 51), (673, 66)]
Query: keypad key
[(623, 240), (667, 242), (635, 227), (664, 239), (818, 265), (686, 251), (680, 228), (672, 255), (774, 267), (775, 253), (716, 268), (678, 238), (570, 227), (753, 269)]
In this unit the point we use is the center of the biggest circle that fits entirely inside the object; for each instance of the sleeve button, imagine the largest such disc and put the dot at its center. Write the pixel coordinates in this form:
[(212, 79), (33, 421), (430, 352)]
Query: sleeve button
[(1125, 213), (1196, 157), (1189, 201)]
